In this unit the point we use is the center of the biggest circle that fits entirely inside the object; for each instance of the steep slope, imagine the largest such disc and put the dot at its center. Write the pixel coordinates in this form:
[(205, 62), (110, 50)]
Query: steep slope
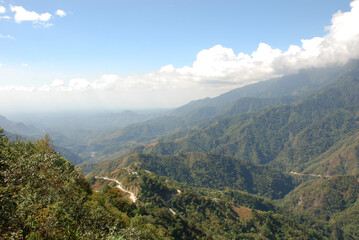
[(116, 143), (302, 83), (208, 170), (325, 197), (289, 136), (342, 158), (44, 197), (195, 213), (333, 200), (204, 112), (313, 148)]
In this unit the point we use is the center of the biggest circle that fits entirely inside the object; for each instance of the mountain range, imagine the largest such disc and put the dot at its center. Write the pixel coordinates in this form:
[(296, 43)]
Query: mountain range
[(277, 159)]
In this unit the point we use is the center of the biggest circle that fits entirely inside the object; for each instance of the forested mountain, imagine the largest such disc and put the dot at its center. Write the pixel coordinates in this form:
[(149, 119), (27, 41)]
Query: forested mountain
[(324, 197), (302, 150), (314, 140), (290, 137), (44, 197), (330, 199), (201, 113), (210, 171), (114, 144), (274, 160), (300, 84)]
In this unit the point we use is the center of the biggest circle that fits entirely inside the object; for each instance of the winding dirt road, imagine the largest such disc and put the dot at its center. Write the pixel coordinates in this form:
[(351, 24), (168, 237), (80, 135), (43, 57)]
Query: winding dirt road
[(308, 174), (133, 197)]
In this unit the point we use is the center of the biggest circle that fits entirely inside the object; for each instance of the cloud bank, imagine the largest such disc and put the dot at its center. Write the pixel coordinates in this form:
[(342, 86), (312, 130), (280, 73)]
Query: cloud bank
[(219, 69)]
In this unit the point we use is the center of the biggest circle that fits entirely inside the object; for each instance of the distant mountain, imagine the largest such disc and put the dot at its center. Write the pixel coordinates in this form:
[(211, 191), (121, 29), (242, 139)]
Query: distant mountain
[(74, 130), (302, 83), (97, 119), (200, 113), (18, 127), (291, 137), (20, 131)]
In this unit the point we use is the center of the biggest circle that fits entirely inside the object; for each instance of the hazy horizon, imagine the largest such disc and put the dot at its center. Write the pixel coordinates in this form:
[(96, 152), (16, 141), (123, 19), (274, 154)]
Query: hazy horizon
[(107, 56)]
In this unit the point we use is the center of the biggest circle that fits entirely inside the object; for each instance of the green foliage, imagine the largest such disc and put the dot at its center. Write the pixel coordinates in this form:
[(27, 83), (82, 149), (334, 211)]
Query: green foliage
[(325, 197), (333, 201), (200, 113), (210, 171), (287, 137), (43, 196)]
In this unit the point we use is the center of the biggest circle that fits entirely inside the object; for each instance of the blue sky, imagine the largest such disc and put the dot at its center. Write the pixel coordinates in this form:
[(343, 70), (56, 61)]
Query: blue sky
[(160, 53)]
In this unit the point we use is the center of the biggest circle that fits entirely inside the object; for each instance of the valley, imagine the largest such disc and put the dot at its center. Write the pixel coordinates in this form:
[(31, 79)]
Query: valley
[(179, 120), (273, 160)]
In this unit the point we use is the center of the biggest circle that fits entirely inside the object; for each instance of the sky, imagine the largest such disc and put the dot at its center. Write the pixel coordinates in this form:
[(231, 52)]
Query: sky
[(63, 55)]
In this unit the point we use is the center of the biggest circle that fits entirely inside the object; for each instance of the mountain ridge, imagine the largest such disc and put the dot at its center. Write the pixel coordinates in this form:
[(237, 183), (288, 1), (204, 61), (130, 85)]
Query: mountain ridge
[(275, 130), (197, 114)]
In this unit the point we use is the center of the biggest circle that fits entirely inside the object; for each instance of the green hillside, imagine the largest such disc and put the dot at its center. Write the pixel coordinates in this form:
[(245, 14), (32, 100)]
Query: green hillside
[(197, 213), (210, 171), (201, 113), (118, 142), (304, 154), (334, 200), (289, 137), (324, 197), (44, 197)]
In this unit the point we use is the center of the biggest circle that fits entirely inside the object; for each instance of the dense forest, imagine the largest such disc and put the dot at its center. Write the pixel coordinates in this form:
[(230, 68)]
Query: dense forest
[(43, 196)]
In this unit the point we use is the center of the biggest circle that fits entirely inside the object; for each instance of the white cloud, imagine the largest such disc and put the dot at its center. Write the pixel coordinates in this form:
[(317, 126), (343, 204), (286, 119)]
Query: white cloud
[(57, 83), (2, 9), (60, 13), (21, 14), (217, 69), (79, 84), (25, 65), (7, 36)]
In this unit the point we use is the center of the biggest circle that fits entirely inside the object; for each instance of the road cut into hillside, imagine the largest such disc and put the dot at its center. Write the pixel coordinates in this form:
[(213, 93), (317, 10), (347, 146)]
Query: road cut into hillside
[(133, 197)]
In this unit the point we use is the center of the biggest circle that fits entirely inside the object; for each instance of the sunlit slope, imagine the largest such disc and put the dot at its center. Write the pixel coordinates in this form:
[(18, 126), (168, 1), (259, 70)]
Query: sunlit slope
[(291, 137), (202, 113), (208, 170)]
